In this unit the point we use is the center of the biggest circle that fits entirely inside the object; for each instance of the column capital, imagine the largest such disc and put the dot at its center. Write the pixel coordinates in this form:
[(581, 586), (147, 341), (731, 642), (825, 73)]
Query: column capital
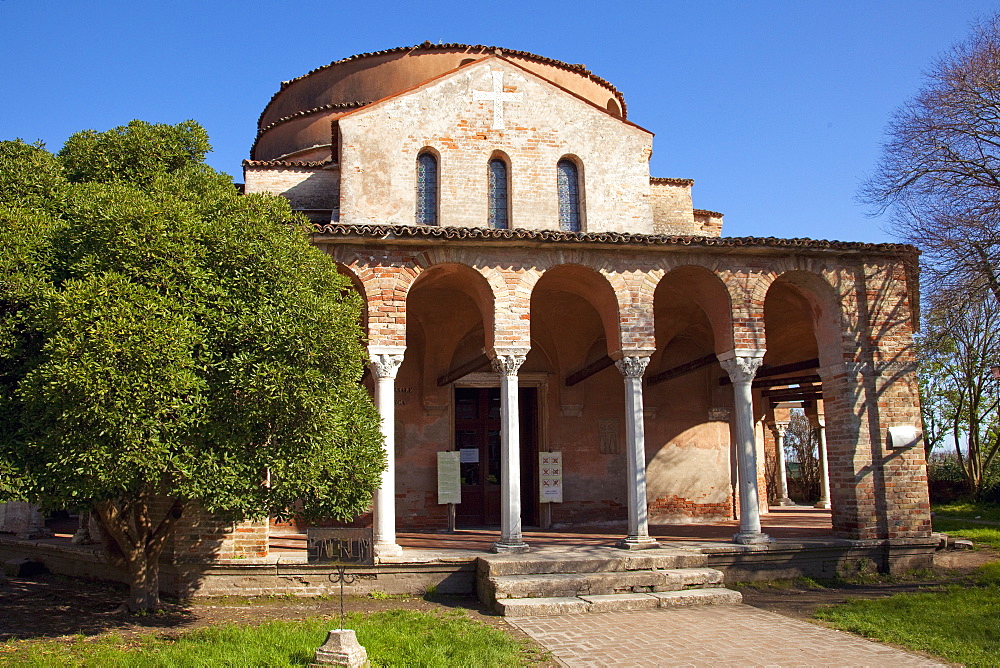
[(632, 366), (780, 428), (741, 368), (507, 362), (385, 360)]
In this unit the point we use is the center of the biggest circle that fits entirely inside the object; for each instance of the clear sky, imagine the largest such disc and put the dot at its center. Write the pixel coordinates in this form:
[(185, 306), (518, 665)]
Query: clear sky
[(776, 109)]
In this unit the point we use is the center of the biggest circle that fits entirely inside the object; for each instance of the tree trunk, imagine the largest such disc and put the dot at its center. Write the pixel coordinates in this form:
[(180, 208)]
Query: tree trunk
[(134, 543)]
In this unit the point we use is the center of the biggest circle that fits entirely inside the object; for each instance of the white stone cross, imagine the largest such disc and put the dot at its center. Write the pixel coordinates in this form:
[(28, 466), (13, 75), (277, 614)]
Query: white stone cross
[(498, 97)]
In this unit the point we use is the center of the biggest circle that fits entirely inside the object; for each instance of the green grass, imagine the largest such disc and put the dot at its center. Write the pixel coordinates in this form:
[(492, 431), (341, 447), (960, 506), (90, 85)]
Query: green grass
[(980, 534), (968, 510), (958, 624), (393, 638)]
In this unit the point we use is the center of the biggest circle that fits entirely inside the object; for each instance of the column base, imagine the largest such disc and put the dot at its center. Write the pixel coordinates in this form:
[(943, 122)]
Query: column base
[(341, 649), (637, 543), (502, 547), (751, 538), (786, 502), (822, 504), (387, 550)]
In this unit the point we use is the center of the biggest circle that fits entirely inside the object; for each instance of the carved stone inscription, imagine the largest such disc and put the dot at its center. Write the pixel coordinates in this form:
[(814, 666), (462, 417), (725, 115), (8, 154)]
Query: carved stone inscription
[(610, 439)]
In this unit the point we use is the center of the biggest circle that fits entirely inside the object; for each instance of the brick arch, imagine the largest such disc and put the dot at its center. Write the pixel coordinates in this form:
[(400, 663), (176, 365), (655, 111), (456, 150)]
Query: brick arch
[(812, 283), (473, 282), (709, 291), (358, 286), (598, 289)]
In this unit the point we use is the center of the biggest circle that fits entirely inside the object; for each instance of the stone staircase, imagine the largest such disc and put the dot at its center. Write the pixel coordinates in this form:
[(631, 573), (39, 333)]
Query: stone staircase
[(598, 579)]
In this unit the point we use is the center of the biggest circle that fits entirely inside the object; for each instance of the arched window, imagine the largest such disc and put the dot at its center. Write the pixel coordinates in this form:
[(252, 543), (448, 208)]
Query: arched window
[(499, 200), (427, 189), (568, 183)]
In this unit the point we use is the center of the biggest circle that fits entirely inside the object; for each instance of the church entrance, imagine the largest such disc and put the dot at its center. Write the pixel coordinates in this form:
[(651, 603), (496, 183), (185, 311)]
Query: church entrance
[(477, 438)]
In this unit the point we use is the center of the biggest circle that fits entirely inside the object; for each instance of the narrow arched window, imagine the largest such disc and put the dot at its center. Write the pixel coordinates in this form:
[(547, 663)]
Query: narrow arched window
[(427, 189), (568, 183), (499, 190)]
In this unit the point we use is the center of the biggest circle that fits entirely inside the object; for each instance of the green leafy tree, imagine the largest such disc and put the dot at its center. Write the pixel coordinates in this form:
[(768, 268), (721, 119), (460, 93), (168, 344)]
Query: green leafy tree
[(166, 342), (958, 347)]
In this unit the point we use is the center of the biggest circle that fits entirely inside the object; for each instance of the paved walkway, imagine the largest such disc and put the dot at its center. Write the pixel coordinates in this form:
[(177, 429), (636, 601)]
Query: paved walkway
[(711, 635)]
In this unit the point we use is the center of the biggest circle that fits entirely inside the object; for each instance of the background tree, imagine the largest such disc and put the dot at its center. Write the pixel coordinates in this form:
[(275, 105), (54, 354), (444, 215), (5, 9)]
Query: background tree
[(165, 341), (802, 447), (959, 347), (939, 173)]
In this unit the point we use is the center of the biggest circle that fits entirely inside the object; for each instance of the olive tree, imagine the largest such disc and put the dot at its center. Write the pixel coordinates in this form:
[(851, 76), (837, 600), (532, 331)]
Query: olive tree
[(166, 341)]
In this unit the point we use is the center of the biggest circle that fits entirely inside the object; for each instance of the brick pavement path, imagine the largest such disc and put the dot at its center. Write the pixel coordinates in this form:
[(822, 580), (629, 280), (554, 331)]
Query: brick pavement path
[(715, 635)]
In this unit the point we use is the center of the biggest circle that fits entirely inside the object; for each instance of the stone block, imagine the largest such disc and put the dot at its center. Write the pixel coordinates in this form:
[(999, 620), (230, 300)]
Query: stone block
[(620, 602), (714, 596)]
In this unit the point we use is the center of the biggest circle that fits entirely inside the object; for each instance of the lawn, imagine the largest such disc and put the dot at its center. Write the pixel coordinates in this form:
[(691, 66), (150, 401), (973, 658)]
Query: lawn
[(958, 624), (392, 638), (968, 510)]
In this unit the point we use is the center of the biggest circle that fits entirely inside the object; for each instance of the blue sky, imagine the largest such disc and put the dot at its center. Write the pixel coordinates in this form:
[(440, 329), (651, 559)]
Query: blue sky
[(776, 109)]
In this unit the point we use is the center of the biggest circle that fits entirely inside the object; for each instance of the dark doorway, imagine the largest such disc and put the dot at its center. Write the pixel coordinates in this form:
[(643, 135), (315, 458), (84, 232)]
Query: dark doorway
[(477, 436)]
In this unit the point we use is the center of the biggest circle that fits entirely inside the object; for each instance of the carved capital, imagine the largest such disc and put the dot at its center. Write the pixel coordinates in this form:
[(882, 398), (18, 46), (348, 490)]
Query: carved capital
[(780, 428), (385, 365), (632, 366), (741, 368), (508, 364)]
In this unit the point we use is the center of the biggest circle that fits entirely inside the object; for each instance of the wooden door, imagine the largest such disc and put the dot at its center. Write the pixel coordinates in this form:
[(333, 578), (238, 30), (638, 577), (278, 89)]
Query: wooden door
[(477, 437)]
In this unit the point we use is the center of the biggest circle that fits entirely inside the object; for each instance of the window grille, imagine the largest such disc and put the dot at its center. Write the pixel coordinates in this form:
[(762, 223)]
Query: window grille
[(499, 205), (427, 189), (568, 182)]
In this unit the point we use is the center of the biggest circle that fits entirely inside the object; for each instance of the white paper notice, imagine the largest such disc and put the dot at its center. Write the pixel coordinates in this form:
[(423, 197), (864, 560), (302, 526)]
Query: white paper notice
[(449, 479), (550, 477)]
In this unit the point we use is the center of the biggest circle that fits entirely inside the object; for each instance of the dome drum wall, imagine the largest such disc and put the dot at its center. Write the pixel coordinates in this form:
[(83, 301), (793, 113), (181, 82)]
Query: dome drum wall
[(367, 78)]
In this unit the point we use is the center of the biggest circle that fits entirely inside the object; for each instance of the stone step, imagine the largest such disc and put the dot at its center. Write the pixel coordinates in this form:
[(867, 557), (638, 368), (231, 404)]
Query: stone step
[(602, 583), (563, 605), (594, 560)]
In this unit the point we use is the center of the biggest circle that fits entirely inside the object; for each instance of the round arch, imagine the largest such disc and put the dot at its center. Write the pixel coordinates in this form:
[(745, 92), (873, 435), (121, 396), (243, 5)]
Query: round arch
[(704, 288), (593, 287), (802, 309)]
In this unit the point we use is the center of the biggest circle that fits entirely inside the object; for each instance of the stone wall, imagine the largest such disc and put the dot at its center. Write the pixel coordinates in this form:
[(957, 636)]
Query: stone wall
[(380, 144), (307, 188)]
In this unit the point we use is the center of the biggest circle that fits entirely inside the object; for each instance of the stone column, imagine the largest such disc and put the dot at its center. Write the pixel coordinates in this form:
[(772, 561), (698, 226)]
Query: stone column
[(632, 368), (779, 439), (384, 364), (741, 369), (83, 535), (507, 364), (824, 466)]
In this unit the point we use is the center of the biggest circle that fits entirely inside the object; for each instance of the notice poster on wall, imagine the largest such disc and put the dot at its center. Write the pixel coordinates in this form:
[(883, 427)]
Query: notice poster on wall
[(550, 477), (449, 477)]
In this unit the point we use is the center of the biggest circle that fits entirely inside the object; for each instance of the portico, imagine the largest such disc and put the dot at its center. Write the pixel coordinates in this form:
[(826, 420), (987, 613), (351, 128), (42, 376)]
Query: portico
[(647, 441)]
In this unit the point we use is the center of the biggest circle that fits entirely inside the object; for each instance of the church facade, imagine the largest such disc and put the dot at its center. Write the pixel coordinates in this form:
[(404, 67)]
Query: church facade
[(540, 304)]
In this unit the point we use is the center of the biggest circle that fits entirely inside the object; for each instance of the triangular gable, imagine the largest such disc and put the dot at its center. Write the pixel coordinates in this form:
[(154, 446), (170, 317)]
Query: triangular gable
[(429, 82)]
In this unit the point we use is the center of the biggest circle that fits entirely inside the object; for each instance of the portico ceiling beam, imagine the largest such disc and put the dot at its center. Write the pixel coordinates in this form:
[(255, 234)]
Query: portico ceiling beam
[(682, 370), (767, 372), (793, 380), (463, 370), (588, 371), (798, 394)]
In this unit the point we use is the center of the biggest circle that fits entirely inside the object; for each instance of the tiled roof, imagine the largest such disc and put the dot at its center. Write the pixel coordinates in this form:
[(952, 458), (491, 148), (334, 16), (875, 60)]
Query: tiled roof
[(671, 182), (310, 112), (706, 212), (285, 163), (428, 46), (390, 232)]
